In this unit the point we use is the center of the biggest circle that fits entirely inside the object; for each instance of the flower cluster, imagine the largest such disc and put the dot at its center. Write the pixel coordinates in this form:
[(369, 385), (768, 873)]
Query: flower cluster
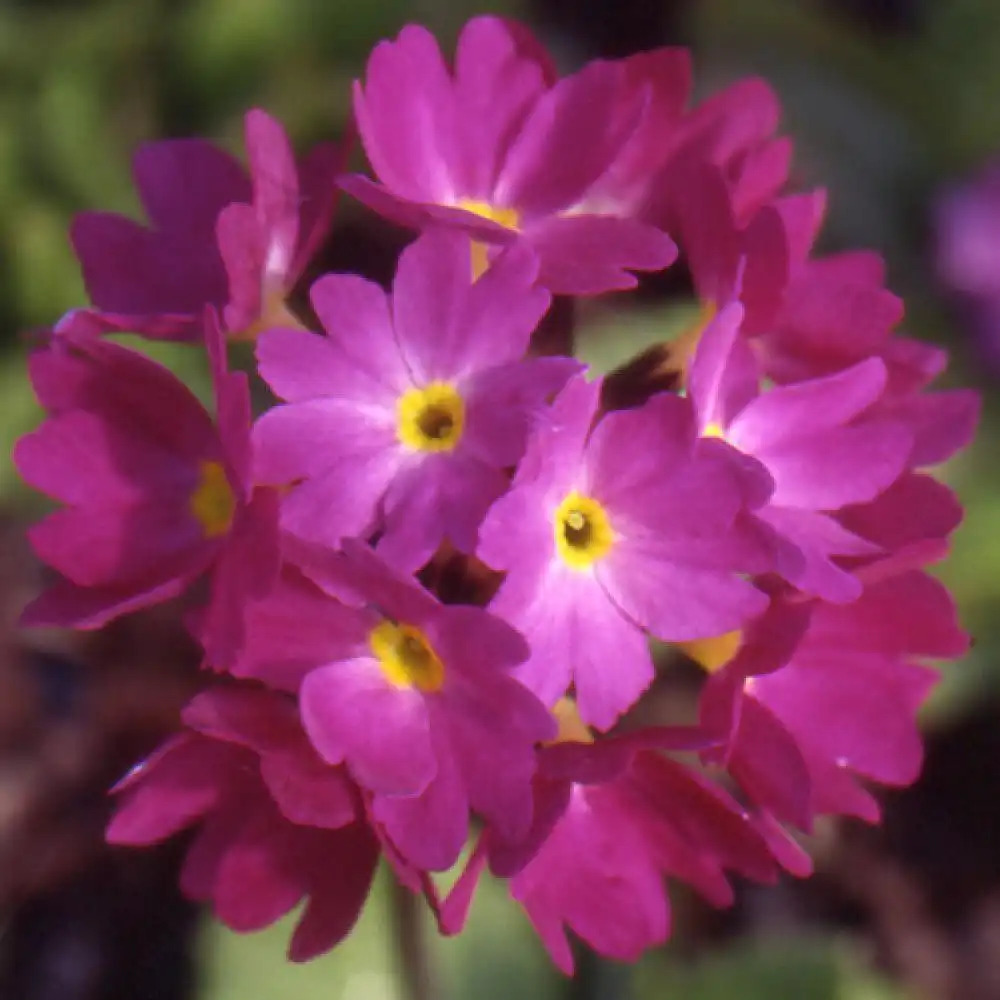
[(428, 580)]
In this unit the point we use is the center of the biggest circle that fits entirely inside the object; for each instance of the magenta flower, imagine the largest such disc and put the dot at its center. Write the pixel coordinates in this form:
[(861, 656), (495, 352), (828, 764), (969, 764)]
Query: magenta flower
[(617, 819), (217, 237), (277, 823), (635, 526), (836, 312), (821, 693), (155, 492), (820, 441), (405, 416), (498, 149), (729, 259), (414, 697)]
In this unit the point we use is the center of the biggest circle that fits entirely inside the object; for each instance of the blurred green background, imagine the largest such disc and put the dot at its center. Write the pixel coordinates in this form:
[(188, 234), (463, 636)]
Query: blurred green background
[(887, 102)]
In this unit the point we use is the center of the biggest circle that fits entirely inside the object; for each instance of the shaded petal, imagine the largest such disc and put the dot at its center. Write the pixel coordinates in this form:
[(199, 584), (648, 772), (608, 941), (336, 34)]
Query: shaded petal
[(354, 715)]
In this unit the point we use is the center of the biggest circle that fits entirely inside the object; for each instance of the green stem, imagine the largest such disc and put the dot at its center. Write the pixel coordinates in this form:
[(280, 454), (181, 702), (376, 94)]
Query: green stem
[(419, 981)]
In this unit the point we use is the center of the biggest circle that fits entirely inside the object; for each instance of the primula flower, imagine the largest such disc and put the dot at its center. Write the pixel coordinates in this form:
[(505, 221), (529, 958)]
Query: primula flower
[(156, 491), (836, 312), (824, 692), (820, 441), (635, 526), (499, 149), (217, 237), (277, 824), (414, 697), (616, 818), (404, 417)]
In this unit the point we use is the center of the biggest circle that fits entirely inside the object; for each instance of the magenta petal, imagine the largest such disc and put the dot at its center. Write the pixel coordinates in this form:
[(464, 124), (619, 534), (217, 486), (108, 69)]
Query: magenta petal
[(303, 367), (830, 469), (913, 508), (275, 192), (767, 763), (791, 413), (176, 787), (496, 316), (309, 792), (816, 538), (496, 85), (353, 714), (566, 143), (608, 652), (257, 880), (860, 712), (132, 546), (941, 422), (596, 875), (80, 458), (239, 239), (304, 440), (296, 628), (443, 496), (130, 269), (342, 867), (356, 316), (504, 404), (591, 254), (432, 283), (67, 605), (430, 829), (678, 602), (184, 183), (406, 116)]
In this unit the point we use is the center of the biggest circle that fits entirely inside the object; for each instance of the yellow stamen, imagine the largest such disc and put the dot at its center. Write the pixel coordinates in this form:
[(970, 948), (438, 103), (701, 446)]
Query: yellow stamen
[(406, 657), (212, 501), (509, 218), (713, 653), (713, 430), (431, 418), (572, 729), (582, 531)]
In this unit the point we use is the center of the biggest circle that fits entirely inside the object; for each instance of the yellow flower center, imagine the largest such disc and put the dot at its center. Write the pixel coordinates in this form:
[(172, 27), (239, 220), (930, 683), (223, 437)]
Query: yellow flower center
[(714, 430), (509, 218), (715, 652), (431, 418), (582, 530), (212, 501), (406, 657)]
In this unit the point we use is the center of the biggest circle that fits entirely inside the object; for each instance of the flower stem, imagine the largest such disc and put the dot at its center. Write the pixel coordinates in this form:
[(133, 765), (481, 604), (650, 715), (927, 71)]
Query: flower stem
[(419, 981)]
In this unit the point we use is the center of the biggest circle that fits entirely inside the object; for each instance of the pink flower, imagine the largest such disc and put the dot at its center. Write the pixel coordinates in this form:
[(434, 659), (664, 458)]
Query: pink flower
[(404, 417), (414, 697), (822, 441), (819, 693), (836, 312), (604, 535), (617, 818), (500, 150), (155, 492), (217, 237), (277, 824)]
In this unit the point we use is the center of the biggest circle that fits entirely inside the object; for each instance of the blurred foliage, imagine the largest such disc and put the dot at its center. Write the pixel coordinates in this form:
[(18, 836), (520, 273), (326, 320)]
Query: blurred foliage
[(498, 957)]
